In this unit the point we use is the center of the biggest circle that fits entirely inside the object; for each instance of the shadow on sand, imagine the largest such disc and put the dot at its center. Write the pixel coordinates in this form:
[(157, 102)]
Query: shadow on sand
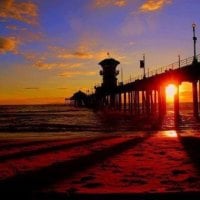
[(191, 145), (30, 184)]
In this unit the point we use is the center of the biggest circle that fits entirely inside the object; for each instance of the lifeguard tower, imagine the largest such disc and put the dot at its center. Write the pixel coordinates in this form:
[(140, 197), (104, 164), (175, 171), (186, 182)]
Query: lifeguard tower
[(109, 83), (109, 73)]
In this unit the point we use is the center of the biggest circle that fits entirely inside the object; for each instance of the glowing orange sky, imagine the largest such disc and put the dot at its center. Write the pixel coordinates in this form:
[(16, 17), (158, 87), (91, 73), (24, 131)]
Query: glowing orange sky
[(185, 92), (51, 49)]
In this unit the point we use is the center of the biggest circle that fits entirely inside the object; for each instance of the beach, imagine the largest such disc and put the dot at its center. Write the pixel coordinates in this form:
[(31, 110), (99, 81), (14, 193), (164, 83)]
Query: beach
[(108, 166), (135, 164)]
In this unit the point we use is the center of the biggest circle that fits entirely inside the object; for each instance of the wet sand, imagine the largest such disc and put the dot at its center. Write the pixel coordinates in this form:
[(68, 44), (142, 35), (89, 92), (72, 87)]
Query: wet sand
[(129, 165)]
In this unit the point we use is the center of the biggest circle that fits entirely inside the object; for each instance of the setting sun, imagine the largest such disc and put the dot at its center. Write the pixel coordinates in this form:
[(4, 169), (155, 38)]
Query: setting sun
[(170, 90)]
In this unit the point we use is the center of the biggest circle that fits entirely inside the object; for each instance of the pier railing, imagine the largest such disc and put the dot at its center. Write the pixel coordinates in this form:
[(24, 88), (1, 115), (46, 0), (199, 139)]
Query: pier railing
[(160, 70)]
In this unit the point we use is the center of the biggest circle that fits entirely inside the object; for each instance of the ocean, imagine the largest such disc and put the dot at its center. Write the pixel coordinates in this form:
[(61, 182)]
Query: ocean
[(47, 118), (69, 119)]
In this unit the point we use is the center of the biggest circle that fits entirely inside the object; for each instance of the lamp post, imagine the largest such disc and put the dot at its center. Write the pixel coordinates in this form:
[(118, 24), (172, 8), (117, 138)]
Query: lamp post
[(195, 40)]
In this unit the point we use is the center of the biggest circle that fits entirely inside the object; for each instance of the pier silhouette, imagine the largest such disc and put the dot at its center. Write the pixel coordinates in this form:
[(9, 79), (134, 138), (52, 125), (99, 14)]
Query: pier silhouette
[(145, 95)]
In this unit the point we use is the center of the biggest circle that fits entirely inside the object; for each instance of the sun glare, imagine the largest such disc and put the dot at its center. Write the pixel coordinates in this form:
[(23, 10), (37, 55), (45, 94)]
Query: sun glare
[(170, 90), (170, 134)]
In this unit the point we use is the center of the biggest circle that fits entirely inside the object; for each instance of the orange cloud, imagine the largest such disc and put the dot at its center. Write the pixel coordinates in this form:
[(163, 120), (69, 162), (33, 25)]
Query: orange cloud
[(8, 44), (77, 54), (120, 3), (71, 74), (105, 3), (98, 55), (44, 65), (153, 5), (23, 11), (82, 51)]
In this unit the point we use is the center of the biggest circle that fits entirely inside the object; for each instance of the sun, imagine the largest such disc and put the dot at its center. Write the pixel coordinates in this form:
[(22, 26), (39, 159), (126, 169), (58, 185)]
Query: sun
[(170, 91)]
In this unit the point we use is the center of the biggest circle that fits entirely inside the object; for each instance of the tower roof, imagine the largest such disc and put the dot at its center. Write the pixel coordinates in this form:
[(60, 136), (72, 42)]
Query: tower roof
[(109, 61)]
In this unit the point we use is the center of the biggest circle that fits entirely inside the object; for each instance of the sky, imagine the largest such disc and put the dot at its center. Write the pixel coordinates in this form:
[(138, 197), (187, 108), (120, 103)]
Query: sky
[(51, 49)]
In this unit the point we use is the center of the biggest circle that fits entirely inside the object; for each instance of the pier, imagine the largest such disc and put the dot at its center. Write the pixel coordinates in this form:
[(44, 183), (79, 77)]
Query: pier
[(146, 95)]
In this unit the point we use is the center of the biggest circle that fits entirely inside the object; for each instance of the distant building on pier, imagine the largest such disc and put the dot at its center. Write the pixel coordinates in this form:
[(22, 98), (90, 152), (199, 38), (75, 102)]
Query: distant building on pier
[(79, 98)]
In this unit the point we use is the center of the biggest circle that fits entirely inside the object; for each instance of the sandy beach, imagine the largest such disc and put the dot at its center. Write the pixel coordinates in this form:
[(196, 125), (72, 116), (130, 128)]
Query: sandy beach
[(131, 165)]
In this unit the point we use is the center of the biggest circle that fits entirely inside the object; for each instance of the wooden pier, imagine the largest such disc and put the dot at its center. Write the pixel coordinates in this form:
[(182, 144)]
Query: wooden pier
[(146, 95)]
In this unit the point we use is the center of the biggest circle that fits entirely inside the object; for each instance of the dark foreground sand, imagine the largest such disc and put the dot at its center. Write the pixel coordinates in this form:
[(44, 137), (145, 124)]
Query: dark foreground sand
[(137, 165)]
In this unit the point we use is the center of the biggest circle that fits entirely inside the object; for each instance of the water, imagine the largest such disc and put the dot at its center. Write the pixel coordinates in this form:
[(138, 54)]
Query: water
[(47, 118), (186, 121), (63, 118)]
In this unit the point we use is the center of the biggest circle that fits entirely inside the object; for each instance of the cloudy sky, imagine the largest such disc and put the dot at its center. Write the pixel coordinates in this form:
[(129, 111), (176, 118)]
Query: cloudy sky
[(51, 48)]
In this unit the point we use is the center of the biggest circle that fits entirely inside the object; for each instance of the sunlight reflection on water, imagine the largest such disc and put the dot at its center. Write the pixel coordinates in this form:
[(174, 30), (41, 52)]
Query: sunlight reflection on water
[(170, 134)]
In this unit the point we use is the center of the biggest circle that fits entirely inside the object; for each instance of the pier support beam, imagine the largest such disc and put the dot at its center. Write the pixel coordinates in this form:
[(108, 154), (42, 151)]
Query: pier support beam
[(129, 101), (124, 101), (162, 101), (137, 102), (155, 102), (176, 107), (112, 101), (148, 102), (143, 102), (199, 93), (195, 100), (120, 101)]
